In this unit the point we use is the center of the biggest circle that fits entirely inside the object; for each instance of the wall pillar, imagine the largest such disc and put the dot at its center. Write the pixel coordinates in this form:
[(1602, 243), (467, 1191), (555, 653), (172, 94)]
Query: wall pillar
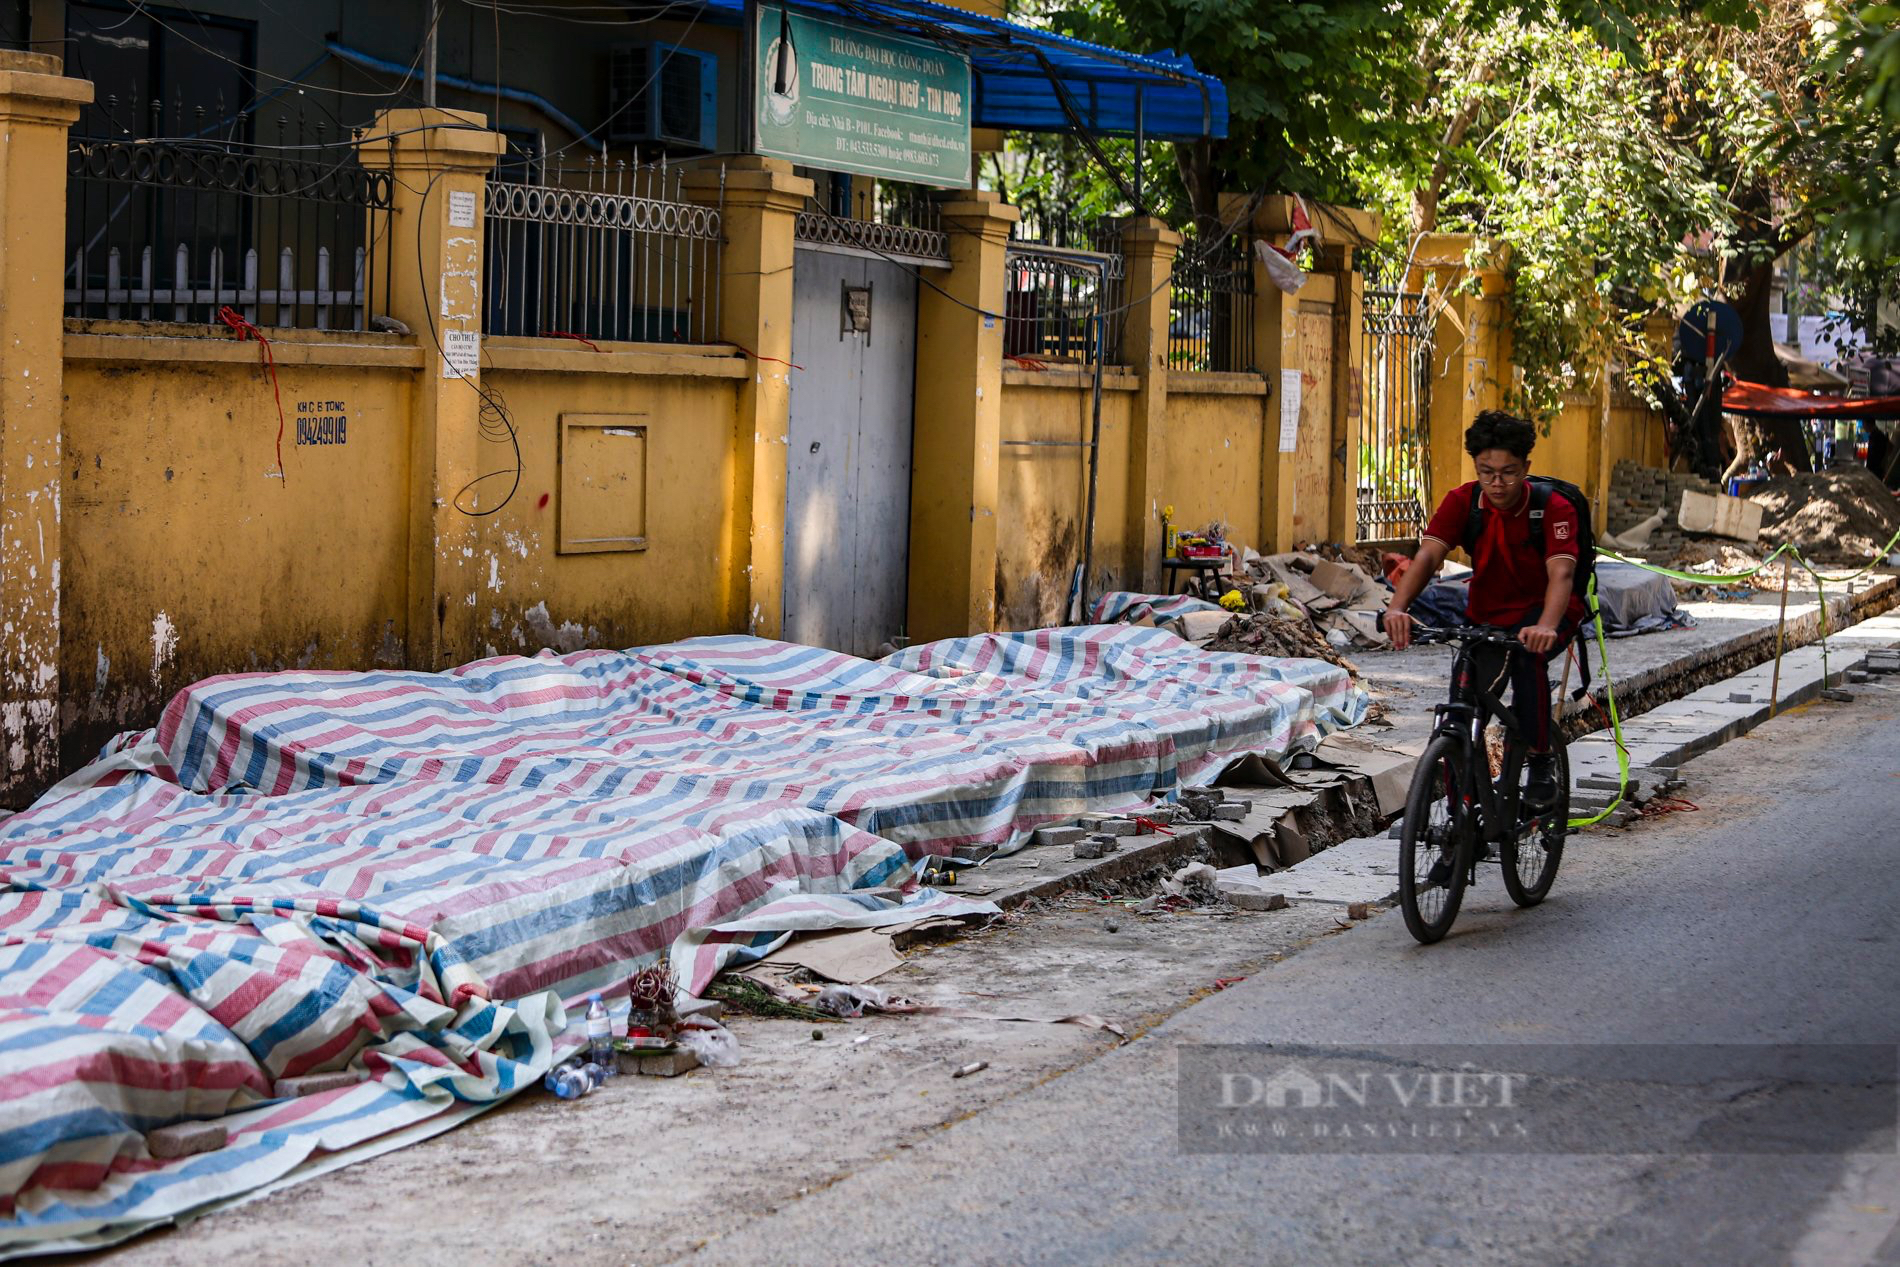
[(1470, 346), (1150, 247), (1276, 347), (439, 161), (37, 107), (760, 200), (1349, 341), (958, 425)]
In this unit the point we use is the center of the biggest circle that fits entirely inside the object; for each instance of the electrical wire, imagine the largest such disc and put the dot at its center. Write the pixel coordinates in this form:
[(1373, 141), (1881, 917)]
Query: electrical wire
[(494, 422), (168, 27)]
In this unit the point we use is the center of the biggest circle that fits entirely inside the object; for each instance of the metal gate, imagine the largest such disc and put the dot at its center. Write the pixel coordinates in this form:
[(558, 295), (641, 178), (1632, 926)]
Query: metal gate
[(1393, 488), (847, 493)]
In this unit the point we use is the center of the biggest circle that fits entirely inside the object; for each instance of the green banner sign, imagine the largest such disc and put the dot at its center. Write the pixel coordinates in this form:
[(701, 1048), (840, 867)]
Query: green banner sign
[(849, 99)]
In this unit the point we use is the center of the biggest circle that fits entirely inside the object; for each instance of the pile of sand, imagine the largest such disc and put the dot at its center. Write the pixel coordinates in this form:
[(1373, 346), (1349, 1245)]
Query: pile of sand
[(1837, 516)]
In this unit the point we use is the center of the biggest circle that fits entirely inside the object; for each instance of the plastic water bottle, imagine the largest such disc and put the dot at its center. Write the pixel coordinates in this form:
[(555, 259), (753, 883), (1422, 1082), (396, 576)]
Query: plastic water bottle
[(600, 1035), (573, 1080)]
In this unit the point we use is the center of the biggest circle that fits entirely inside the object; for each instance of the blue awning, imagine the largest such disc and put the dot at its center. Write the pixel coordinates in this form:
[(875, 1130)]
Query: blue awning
[(1038, 81)]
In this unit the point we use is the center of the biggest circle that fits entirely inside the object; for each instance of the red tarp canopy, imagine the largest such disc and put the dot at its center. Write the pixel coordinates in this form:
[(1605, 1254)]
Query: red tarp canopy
[(1756, 401)]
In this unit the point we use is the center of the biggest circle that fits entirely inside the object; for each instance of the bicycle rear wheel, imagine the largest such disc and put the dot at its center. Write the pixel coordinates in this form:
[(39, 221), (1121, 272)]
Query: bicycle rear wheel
[(1437, 825), (1533, 852)]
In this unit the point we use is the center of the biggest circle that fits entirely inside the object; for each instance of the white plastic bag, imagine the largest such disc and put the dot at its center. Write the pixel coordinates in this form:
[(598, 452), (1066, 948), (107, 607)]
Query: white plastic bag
[(715, 1045), (1286, 274)]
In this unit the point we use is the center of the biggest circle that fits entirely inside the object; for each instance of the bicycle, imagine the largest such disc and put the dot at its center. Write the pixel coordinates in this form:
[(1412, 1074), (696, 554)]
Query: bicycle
[(1455, 805)]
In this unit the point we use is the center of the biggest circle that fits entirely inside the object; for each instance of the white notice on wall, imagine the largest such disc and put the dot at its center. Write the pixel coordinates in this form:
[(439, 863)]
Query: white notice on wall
[(461, 353), (1289, 410), (461, 209)]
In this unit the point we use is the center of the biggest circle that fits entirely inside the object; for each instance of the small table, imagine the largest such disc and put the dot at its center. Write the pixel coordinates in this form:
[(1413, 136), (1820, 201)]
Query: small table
[(1203, 575)]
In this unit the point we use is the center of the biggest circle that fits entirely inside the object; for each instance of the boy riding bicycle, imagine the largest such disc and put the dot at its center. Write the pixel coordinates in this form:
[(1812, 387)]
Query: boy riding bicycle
[(1524, 545)]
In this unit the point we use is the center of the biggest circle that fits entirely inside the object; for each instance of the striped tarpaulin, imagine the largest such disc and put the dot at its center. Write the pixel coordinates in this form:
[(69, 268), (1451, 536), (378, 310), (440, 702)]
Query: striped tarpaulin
[(406, 873), (1127, 607)]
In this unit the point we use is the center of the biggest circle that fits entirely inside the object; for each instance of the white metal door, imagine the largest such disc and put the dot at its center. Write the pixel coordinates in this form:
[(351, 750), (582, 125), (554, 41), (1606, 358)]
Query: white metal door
[(847, 497)]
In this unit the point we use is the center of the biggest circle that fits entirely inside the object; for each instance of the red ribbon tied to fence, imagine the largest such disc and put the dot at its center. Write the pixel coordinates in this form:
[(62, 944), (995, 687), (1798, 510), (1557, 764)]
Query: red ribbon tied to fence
[(243, 329)]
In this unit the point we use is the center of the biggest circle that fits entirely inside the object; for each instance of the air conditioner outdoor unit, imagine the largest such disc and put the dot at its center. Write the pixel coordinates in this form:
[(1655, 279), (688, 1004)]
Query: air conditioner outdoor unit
[(662, 92)]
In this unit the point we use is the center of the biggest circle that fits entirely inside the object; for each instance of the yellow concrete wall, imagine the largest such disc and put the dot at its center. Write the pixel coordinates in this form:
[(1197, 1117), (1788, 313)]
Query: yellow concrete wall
[(1314, 470), (1635, 432), (1215, 445), (1566, 452), (1042, 494), (184, 555), (680, 585)]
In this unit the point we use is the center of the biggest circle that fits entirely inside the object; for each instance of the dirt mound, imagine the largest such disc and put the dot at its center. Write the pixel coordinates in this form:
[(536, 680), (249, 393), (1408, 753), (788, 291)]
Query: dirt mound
[(1837, 516), (1261, 634)]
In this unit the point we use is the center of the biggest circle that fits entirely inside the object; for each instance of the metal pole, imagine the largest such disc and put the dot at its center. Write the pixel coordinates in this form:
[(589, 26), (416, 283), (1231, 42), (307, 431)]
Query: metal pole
[(1774, 688), (749, 80), (1141, 147), (428, 54), (1095, 442)]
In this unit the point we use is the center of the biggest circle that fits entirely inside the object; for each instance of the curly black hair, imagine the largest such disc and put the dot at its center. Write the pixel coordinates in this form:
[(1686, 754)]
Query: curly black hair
[(1495, 429)]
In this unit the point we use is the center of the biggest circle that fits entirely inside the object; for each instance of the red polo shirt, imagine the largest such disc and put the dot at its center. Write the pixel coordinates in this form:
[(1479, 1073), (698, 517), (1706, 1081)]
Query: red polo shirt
[(1508, 572)]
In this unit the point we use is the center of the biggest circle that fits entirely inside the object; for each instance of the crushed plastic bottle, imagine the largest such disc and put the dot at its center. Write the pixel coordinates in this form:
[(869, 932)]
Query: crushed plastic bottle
[(574, 1079), (600, 1035)]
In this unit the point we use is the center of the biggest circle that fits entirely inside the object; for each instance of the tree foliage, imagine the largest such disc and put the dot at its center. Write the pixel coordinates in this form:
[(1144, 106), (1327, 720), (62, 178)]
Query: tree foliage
[(1630, 156)]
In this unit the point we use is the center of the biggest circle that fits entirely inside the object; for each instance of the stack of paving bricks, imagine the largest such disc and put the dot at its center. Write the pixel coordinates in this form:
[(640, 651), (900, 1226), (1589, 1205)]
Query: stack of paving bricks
[(1638, 491)]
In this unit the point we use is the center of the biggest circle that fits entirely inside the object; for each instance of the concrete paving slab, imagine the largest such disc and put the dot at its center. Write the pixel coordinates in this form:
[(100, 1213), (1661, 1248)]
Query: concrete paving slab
[(1363, 870)]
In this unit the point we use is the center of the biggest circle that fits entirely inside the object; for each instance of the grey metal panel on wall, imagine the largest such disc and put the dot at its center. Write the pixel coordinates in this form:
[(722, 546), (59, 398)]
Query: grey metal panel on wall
[(847, 496)]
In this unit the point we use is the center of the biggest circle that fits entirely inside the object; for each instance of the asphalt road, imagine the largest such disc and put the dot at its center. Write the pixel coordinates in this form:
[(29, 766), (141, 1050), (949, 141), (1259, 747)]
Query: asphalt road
[(1761, 929)]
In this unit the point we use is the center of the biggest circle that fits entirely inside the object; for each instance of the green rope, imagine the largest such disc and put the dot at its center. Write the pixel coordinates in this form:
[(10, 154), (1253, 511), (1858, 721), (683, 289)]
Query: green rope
[(1609, 690), (1616, 721)]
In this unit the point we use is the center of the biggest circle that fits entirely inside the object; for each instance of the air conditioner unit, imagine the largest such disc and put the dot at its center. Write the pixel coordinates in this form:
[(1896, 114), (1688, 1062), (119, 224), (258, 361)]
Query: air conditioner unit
[(662, 92)]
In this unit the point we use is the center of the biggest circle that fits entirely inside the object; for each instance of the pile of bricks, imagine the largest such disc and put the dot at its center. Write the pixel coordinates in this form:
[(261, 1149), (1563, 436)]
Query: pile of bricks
[(1638, 491)]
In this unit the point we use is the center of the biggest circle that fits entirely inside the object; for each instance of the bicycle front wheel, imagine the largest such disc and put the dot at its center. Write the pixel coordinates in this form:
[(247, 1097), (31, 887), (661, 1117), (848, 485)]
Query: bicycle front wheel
[(1533, 852), (1437, 830)]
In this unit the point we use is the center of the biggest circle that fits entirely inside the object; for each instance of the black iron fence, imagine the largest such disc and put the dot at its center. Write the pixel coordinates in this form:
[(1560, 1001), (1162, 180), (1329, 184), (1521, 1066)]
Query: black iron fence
[(888, 218), (1063, 272), (603, 252), (1393, 484), (173, 229), (1210, 307)]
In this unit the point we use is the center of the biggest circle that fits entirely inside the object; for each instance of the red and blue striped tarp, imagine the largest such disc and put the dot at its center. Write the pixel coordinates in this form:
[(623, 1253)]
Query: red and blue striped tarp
[(1128, 607), (405, 873)]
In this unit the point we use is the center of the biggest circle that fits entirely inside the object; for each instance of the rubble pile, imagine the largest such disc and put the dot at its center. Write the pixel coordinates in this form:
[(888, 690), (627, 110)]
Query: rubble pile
[(1836, 516), (1263, 633), (1724, 558)]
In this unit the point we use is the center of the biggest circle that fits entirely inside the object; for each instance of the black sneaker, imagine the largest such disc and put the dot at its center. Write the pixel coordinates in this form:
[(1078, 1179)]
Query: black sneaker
[(1541, 791)]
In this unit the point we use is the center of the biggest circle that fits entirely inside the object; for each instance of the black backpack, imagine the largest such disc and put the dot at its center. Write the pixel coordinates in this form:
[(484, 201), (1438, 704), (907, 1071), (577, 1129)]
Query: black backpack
[(1542, 486)]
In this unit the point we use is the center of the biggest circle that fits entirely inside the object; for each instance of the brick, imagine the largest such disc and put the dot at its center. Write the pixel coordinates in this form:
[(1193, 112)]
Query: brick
[(1108, 843), (1230, 813), (1254, 900), (1089, 848), (1359, 910), (1058, 835), (1110, 826), (186, 1139), (658, 1064), (312, 1083)]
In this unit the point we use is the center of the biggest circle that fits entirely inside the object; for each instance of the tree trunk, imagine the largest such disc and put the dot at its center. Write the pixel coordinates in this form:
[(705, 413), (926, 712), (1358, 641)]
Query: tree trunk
[(1201, 177), (1755, 361)]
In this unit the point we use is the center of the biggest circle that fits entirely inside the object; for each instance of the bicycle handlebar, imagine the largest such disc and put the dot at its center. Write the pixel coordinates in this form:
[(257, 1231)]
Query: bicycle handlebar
[(1422, 632)]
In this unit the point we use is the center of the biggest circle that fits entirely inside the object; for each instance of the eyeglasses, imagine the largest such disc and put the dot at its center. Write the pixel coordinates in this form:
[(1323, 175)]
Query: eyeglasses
[(1499, 477)]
